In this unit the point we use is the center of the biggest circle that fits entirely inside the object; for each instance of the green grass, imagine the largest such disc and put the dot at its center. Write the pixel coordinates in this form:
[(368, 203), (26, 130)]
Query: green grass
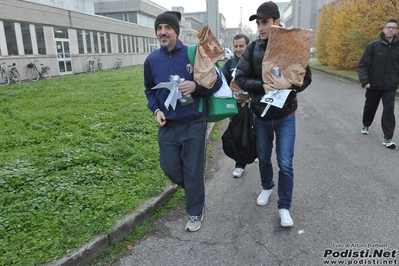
[(351, 73), (76, 154), (114, 251)]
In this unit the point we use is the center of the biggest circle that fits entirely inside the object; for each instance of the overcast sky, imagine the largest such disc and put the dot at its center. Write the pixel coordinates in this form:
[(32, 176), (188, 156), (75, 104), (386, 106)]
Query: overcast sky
[(229, 8)]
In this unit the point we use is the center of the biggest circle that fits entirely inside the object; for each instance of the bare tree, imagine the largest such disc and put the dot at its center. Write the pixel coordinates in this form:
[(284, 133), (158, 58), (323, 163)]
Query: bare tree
[(247, 30)]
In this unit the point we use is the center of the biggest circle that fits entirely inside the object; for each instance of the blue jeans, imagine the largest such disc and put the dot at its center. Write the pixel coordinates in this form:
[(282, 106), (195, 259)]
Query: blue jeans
[(285, 131)]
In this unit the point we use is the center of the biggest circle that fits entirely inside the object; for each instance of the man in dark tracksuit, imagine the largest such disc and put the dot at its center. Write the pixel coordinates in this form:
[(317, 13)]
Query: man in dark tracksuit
[(379, 74), (182, 131)]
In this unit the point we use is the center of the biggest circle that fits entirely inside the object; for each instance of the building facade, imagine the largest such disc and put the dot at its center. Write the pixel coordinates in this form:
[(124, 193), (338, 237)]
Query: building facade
[(304, 14), (65, 34), (65, 39)]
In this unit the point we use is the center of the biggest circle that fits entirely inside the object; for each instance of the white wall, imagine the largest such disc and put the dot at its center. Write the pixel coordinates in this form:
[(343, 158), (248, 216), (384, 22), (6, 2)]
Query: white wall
[(86, 6)]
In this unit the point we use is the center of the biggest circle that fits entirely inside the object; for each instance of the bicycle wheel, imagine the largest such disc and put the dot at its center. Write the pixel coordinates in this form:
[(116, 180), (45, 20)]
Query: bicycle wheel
[(4, 79), (101, 67), (88, 68), (117, 65), (33, 74), (15, 76), (46, 73)]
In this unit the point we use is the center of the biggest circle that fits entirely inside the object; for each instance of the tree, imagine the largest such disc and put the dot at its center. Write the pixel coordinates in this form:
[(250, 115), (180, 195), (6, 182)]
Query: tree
[(324, 30), (247, 30), (346, 27)]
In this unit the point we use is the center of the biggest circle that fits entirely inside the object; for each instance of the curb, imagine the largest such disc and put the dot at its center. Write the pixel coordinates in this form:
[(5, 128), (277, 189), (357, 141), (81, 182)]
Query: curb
[(335, 75), (96, 246)]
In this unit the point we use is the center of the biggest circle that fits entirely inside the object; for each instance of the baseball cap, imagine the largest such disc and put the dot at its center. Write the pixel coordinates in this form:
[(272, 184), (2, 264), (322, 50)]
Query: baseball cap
[(266, 10)]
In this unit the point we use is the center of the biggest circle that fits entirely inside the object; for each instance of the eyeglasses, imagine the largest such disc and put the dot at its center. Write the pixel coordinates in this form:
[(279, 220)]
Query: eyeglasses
[(391, 28)]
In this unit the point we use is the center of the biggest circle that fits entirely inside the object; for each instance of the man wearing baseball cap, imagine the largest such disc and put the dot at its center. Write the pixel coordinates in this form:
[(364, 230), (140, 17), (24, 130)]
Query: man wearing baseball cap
[(182, 127), (278, 123)]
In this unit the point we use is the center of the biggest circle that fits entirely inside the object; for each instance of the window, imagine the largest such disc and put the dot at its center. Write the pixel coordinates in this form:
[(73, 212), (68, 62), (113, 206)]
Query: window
[(80, 42), (129, 44), (26, 38), (134, 44), (11, 39), (108, 41), (41, 44), (120, 44), (153, 44), (124, 43), (145, 20), (118, 16), (95, 40), (61, 33), (88, 42), (132, 16), (137, 44), (102, 40), (145, 45)]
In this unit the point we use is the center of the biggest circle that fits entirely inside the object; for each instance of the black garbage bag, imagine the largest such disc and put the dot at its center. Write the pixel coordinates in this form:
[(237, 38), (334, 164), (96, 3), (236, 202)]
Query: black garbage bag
[(239, 140)]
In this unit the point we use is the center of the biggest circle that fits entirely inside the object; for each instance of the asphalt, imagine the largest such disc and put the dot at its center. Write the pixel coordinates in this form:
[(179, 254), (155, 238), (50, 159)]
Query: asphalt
[(247, 245)]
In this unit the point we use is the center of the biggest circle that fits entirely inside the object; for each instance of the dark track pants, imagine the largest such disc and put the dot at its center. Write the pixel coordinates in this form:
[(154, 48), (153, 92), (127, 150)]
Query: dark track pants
[(182, 158), (388, 122)]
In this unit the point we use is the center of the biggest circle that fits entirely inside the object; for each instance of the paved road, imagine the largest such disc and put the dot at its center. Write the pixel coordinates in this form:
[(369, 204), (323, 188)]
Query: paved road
[(345, 197)]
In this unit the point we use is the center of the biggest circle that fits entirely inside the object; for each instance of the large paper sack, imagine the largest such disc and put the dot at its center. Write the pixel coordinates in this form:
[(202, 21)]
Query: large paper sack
[(288, 49), (208, 53)]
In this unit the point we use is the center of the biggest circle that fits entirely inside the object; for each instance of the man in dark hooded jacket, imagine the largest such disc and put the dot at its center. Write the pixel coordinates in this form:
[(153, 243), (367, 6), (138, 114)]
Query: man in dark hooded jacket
[(379, 74), (279, 122)]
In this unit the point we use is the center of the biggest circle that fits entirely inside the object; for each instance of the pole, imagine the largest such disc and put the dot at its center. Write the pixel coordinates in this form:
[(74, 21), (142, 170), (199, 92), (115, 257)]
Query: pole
[(240, 19)]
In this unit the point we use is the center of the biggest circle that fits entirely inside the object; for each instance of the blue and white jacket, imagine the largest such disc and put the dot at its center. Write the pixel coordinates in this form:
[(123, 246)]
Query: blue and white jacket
[(158, 67)]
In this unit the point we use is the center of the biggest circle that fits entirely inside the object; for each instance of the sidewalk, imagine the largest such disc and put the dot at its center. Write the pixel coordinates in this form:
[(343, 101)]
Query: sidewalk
[(93, 249), (344, 77)]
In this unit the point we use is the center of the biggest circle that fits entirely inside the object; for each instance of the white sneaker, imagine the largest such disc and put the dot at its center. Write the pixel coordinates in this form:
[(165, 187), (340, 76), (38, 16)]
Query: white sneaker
[(256, 160), (389, 143), (263, 197), (238, 172), (286, 220)]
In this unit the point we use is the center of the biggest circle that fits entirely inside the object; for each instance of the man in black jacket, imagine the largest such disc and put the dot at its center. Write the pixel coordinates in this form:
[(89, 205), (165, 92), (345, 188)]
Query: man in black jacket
[(379, 74), (240, 42), (279, 122)]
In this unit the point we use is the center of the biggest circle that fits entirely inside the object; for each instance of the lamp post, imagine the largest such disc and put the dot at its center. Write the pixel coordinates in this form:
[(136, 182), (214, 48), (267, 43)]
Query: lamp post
[(240, 19)]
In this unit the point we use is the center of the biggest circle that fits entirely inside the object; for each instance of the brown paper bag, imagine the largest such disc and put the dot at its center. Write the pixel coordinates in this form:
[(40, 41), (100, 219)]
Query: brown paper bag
[(210, 44), (288, 49), (234, 88), (209, 51)]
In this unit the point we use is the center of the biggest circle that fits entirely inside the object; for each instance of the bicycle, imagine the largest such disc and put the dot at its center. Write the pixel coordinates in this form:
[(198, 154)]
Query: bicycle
[(89, 66), (118, 63), (4, 78), (34, 74), (100, 65), (14, 74)]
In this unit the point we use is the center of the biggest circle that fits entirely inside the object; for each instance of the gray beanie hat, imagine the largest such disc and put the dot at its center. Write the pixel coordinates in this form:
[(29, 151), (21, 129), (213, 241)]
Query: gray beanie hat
[(171, 18)]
